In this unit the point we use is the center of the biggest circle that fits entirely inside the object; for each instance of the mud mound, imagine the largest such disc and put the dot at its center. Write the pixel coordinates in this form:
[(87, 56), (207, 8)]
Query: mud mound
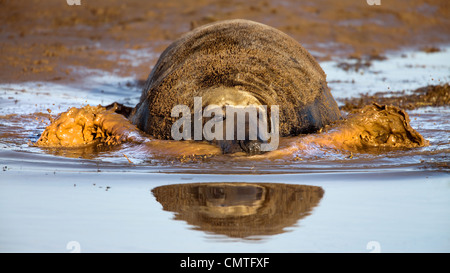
[(432, 95), (88, 125), (372, 129), (379, 126)]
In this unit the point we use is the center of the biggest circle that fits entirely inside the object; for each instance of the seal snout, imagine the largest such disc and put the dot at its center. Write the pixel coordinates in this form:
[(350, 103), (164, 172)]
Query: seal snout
[(242, 116)]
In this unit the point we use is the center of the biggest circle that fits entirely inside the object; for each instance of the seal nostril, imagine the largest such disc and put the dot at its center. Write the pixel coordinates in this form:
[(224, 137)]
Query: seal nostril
[(251, 147)]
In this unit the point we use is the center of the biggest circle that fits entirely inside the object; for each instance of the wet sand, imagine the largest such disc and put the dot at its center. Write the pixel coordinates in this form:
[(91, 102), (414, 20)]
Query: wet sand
[(52, 41), (432, 95), (56, 57)]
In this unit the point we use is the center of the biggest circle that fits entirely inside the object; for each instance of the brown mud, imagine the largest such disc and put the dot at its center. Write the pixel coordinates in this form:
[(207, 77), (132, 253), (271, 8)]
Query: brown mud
[(373, 128), (49, 40), (362, 62), (101, 193), (433, 95), (52, 41), (87, 126), (99, 126)]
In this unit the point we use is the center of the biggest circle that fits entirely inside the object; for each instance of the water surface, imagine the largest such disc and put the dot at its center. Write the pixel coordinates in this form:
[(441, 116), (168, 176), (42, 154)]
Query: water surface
[(106, 199)]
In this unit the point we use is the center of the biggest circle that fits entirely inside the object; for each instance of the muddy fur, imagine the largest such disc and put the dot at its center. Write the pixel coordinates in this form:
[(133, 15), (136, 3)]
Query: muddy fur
[(244, 55)]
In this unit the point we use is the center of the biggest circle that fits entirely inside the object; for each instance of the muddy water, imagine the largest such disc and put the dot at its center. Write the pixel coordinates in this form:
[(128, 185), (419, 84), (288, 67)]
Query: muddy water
[(117, 198)]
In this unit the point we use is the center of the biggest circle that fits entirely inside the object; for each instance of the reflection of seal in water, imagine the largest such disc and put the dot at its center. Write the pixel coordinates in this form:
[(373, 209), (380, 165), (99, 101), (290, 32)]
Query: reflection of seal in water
[(237, 62), (239, 209)]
